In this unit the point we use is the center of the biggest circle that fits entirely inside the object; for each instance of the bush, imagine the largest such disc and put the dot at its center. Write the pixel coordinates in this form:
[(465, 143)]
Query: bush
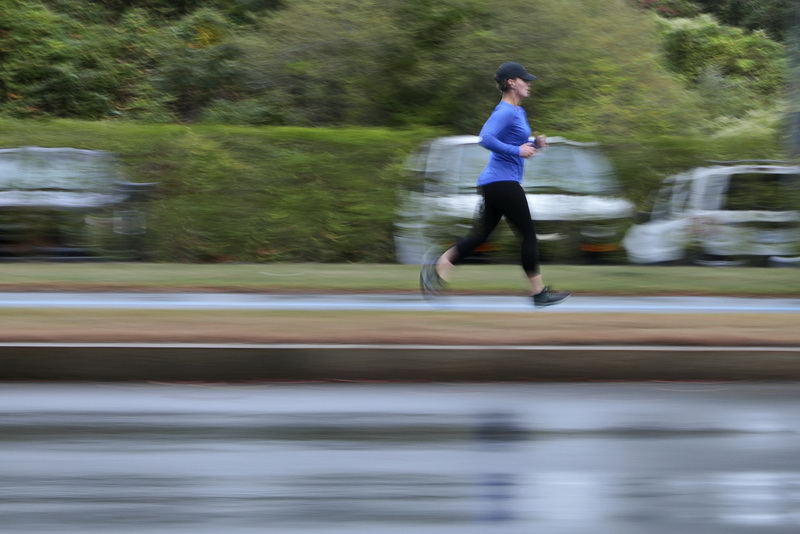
[(252, 194), (734, 70)]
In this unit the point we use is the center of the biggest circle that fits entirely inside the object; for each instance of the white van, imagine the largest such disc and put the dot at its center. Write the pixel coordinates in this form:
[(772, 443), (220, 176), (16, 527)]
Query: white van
[(572, 191), (727, 213)]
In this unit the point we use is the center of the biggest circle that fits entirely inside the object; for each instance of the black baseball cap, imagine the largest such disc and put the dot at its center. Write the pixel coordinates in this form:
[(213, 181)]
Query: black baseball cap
[(511, 70)]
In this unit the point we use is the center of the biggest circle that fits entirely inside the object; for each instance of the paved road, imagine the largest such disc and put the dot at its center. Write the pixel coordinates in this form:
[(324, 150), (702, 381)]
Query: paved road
[(250, 301), (428, 459)]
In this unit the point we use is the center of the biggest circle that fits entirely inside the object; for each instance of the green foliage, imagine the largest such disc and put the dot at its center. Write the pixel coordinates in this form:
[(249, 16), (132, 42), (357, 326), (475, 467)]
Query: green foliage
[(734, 71), (253, 194), (250, 111), (671, 8), (644, 162), (54, 65), (767, 15), (592, 83), (427, 80), (200, 66), (241, 11), (40, 68), (407, 62), (61, 65), (381, 62), (319, 64)]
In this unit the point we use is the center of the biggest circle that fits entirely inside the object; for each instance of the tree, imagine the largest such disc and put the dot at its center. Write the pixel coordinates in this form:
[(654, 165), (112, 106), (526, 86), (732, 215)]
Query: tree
[(111, 11), (376, 62), (767, 15), (55, 65), (424, 62), (671, 8), (736, 70), (200, 65)]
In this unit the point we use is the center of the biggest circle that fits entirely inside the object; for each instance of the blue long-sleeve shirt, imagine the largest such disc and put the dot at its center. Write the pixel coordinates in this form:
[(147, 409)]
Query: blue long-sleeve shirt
[(503, 133)]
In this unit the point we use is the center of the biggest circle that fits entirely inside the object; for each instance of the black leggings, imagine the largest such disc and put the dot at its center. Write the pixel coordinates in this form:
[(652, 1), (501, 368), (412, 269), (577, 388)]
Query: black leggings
[(503, 199)]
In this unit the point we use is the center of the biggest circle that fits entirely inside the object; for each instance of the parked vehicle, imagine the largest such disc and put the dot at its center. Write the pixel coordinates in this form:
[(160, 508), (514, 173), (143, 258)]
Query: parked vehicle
[(730, 212), (69, 203), (572, 190)]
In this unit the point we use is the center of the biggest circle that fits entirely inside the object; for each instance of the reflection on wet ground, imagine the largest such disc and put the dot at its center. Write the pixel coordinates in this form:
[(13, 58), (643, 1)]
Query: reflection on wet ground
[(552, 458)]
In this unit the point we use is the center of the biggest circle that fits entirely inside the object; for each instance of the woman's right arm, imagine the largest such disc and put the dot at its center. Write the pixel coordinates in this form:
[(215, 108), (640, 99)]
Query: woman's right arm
[(490, 133)]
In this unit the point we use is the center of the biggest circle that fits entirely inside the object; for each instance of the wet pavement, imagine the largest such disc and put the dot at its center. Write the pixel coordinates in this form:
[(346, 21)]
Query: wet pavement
[(602, 458)]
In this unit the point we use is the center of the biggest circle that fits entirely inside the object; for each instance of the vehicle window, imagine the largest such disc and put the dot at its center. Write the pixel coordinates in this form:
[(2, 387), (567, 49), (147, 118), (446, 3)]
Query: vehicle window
[(680, 196), (716, 186), (471, 161), (662, 206), (34, 168), (671, 199), (560, 168), (571, 169), (760, 191), (418, 160)]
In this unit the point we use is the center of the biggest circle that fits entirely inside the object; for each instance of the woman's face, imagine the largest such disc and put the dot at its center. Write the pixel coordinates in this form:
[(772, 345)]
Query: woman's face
[(519, 87)]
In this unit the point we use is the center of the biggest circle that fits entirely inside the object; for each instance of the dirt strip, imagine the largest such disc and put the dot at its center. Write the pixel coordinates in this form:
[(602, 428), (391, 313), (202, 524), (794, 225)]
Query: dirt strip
[(438, 328)]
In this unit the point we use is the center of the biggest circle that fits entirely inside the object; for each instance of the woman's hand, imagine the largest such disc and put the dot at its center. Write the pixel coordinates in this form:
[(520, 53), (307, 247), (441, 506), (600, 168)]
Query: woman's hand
[(527, 150)]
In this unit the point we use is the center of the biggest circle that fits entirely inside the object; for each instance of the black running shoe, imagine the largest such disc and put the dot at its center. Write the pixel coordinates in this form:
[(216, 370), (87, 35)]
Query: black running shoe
[(430, 283), (548, 297)]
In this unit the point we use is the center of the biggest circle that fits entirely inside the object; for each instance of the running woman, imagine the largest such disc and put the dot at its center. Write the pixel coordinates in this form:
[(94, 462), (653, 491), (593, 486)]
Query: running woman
[(506, 134)]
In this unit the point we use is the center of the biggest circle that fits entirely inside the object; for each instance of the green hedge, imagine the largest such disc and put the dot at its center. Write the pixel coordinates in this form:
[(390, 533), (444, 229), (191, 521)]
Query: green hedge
[(266, 194), (252, 194)]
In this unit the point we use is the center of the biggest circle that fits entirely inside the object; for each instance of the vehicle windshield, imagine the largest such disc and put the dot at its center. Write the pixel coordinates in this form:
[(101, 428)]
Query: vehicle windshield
[(56, 169), (672, 199), (560, 168)]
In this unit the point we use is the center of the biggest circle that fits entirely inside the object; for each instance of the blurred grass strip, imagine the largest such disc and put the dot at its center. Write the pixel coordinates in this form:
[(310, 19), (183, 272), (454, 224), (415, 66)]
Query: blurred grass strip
[(314, 277)]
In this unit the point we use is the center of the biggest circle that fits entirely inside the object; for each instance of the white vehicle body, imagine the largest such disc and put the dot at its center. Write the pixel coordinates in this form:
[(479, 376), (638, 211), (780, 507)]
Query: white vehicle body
[(721, 213), (571, 187)]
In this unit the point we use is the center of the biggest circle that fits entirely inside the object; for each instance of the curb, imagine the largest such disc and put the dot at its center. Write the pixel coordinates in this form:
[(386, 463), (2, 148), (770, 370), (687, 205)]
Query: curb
[(363, 362)]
